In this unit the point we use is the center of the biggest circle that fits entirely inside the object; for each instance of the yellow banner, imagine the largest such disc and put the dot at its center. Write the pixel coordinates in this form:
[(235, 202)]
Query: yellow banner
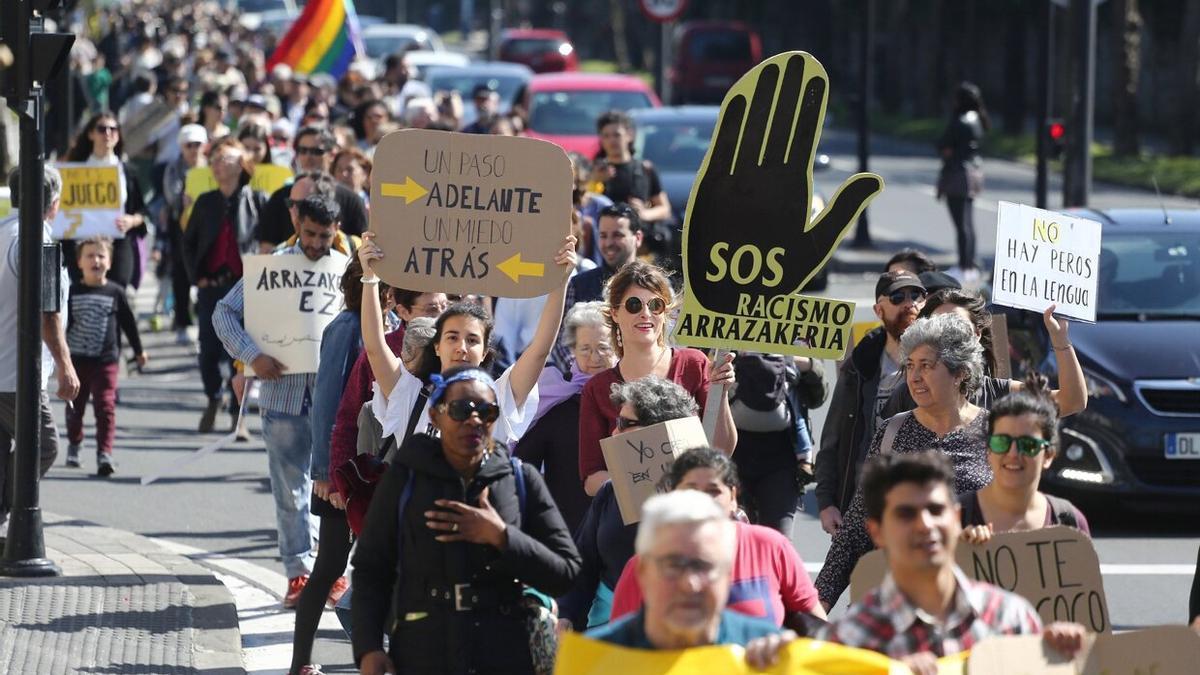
[(578, 655), (91, 188), (266, 178)]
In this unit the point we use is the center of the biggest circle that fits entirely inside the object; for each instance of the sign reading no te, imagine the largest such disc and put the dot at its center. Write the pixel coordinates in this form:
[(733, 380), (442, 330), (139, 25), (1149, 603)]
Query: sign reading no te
[(470, 213)]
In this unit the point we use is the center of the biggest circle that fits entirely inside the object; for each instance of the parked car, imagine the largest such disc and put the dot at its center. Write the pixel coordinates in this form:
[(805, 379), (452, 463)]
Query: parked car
[(1138, 441), (709, 57), (543, 50), (421, 61), (676, 139), (563, 107), (253, 13), (384, 39), (506, 79)]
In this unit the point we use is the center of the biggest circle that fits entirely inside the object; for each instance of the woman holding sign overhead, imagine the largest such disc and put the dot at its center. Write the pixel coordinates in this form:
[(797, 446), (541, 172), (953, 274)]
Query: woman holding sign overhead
[(463, 337), (99, 144), (638, 297)]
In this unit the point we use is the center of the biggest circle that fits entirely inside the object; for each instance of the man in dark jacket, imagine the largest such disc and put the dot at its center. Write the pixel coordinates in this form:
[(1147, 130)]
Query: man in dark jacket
[(220, 230), (865, 382)]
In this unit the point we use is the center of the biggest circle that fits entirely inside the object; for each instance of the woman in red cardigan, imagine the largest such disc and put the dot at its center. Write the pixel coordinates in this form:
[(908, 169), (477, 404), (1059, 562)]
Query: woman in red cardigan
[(637, 300)]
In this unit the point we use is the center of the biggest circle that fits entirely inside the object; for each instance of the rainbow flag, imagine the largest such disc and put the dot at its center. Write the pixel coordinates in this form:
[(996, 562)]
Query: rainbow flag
[(324, 39)]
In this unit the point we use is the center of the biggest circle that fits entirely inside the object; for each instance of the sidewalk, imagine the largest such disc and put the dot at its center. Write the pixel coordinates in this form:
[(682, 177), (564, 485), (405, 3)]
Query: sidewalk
[(123, 604)]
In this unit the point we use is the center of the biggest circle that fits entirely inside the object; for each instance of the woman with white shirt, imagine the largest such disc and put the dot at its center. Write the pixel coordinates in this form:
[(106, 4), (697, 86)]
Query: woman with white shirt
[(99, 144), (462, 336)]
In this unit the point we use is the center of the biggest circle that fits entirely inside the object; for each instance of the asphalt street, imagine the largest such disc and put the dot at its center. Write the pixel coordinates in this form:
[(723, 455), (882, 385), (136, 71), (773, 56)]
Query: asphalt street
[(222, 504)]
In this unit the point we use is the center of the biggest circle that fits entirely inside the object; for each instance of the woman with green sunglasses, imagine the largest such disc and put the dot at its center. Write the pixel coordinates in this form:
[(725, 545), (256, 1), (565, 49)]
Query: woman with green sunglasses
[(1022, 443)]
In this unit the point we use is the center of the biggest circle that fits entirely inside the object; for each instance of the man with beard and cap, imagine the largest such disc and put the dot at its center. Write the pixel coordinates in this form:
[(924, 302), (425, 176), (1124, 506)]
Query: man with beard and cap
[(864, 384)]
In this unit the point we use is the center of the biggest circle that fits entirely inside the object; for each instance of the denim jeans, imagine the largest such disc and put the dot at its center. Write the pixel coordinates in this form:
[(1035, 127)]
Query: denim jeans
[(289, 456)]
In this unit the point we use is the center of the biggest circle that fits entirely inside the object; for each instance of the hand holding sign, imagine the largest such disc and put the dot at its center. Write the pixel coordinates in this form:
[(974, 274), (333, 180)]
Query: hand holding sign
[(761, 159)]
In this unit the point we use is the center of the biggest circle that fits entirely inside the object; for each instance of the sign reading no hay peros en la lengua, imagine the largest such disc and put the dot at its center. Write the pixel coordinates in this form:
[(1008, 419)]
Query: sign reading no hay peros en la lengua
[(750, 240), (470, 213)]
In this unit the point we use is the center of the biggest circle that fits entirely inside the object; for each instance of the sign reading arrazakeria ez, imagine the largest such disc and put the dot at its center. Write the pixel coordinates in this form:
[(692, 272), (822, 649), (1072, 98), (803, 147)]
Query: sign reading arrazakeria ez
[(470, 213)]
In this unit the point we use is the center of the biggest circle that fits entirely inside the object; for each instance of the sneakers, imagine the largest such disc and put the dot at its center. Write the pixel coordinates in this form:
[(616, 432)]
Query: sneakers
[(73, 456), (337, 591), (311, 669), (182, 338), (295, 586), (104, 465), (209, 418)]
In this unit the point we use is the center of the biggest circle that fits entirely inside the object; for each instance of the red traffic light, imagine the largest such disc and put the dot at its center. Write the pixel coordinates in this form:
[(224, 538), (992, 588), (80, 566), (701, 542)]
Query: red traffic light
[(1057, 130)]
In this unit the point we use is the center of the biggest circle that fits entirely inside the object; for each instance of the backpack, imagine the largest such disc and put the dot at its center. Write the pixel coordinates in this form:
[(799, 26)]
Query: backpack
[(760, 395)]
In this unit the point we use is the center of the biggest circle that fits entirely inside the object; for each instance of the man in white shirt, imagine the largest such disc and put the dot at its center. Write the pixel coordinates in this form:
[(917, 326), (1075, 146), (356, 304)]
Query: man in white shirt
[(55, 354)]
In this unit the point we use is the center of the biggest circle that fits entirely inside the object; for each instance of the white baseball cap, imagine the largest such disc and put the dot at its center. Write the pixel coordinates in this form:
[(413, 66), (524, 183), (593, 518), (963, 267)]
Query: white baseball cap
[(192, 133)]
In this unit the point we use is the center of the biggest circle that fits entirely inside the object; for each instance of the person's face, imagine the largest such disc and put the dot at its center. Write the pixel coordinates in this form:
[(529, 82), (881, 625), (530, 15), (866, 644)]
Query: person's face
[(1014, 470), (256, 150), (614, 139), (929, 380), (618, 245), (947, 308), (300, 189), (919, 528), (373, 118), (643, 328), (898, 316), (192, 152), (486, 103), (227, 165), (94, 263), (213, 114), (177, 95), (315, 238), (105, 135), (311, 155), (470, 437), (318, 116), (349, 172), (593, 351), (685, 580), (627, 420), (708, 481), (462, 342), (426, 304)]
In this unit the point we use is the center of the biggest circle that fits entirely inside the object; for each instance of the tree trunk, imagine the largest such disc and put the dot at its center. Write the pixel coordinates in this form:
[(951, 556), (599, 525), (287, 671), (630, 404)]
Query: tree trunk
[(1127, 32), (616, 9)]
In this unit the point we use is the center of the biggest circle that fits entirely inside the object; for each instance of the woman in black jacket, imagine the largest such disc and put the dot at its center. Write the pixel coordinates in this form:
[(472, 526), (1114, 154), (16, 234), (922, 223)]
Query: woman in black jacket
[(451, 539)]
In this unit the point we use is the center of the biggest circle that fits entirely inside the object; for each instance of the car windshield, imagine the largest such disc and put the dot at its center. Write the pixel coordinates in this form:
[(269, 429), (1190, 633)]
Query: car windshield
[(259, 6), (380, 46), (574, 113), (1155, 274), (726, 46), (506, 85), (675, 145), (530, 47)]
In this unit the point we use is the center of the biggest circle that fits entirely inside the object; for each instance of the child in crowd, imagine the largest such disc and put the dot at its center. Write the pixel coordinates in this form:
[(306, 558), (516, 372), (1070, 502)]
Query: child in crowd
[(97, 305)]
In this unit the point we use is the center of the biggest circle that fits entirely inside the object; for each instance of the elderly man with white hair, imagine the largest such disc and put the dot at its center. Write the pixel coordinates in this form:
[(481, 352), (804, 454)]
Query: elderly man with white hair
[(685, 545)]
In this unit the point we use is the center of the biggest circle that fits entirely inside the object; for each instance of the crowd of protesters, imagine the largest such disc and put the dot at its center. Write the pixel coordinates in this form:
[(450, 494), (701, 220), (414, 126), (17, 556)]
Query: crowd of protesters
[(461, 452)]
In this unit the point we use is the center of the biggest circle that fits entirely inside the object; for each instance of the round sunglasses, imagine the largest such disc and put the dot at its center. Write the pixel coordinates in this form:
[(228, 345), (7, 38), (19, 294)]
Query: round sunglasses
[(1026, 445), (633, 305), (462, 409)]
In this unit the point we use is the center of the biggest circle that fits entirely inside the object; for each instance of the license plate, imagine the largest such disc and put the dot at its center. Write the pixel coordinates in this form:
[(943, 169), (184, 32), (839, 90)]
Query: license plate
[(1183, 446)]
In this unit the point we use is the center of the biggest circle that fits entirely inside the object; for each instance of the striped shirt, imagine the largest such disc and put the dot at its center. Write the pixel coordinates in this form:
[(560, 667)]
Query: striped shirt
[(290, 394), (885, 621)]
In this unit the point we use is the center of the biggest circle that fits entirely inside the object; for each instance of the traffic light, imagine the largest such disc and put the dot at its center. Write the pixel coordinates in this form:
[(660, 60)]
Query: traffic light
[(1056, 138)]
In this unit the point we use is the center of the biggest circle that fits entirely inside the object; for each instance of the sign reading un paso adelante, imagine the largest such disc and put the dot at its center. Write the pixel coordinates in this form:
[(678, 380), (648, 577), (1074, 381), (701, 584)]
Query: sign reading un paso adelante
[(470, 213), (750, 239)]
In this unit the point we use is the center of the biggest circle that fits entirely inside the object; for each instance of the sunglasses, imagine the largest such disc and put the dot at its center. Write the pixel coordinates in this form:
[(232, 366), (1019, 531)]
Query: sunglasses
[(105, 128), (192, 145), (180, 92), (462, 409), (902, 296), (1026, 445), (315, 152), (633, 305), (624, 423)]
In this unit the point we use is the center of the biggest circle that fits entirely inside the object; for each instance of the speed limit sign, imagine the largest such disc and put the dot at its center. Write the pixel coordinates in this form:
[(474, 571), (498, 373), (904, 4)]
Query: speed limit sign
[(663, 11)]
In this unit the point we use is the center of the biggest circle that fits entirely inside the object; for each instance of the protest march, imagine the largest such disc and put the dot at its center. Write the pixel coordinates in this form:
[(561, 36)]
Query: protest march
[(520, 377)]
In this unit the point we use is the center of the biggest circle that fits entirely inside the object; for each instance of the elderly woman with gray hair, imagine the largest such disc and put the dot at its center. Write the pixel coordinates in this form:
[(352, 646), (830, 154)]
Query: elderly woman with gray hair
[(604, 541), (943, 364), (548, 442)]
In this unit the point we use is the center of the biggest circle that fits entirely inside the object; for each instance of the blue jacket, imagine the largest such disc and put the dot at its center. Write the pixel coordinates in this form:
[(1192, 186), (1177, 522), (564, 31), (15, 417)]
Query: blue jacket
[(341, 343)]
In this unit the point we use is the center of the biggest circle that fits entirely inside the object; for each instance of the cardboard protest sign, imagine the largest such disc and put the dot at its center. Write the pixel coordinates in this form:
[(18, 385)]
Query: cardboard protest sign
[(637, 460), (470, 213), (146, 126), (91, 202), (1155, 651), (1055, 568), (266, 178), (750, 239), (289, 302), (1045, 258)]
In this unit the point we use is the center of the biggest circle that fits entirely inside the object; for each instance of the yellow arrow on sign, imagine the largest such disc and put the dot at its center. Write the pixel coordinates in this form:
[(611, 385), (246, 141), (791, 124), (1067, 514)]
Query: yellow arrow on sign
[(410, 190), (76, 220), (515, 268)]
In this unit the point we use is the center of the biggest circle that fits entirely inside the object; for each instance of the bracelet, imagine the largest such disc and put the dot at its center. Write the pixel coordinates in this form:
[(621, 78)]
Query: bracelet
[(370, 281), (1064, 348)]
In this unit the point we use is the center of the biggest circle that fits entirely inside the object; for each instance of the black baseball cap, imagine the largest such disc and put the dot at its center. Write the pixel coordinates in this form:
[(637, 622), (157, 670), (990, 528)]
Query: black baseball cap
[(936, 281), (890, 282)]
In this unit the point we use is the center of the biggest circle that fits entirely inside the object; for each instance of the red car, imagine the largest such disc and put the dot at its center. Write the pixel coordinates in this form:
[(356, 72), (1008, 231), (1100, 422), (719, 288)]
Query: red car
[(542, 49), (563, 108), (709, 57)]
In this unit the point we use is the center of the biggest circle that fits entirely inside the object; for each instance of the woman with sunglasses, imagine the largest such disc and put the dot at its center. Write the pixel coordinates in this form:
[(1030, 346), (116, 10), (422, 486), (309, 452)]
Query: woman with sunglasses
[(463, 337), (637, 298), (1022, 443), (99, 144), (452, 538), (214, 106)]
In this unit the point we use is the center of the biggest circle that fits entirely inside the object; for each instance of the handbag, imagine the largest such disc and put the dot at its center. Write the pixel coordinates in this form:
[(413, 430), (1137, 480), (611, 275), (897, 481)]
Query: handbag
[(360, 475)]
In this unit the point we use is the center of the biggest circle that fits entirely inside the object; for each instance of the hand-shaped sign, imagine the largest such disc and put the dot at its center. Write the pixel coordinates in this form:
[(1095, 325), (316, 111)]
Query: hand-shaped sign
[(750, 243)]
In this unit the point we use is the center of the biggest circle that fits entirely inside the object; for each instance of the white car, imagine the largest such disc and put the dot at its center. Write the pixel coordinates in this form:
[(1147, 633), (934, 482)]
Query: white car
[(384, 39)]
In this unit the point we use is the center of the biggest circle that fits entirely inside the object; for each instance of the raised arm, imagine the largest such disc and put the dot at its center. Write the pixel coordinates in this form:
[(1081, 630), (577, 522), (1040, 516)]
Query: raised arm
[(385, 365), (525, 372)]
